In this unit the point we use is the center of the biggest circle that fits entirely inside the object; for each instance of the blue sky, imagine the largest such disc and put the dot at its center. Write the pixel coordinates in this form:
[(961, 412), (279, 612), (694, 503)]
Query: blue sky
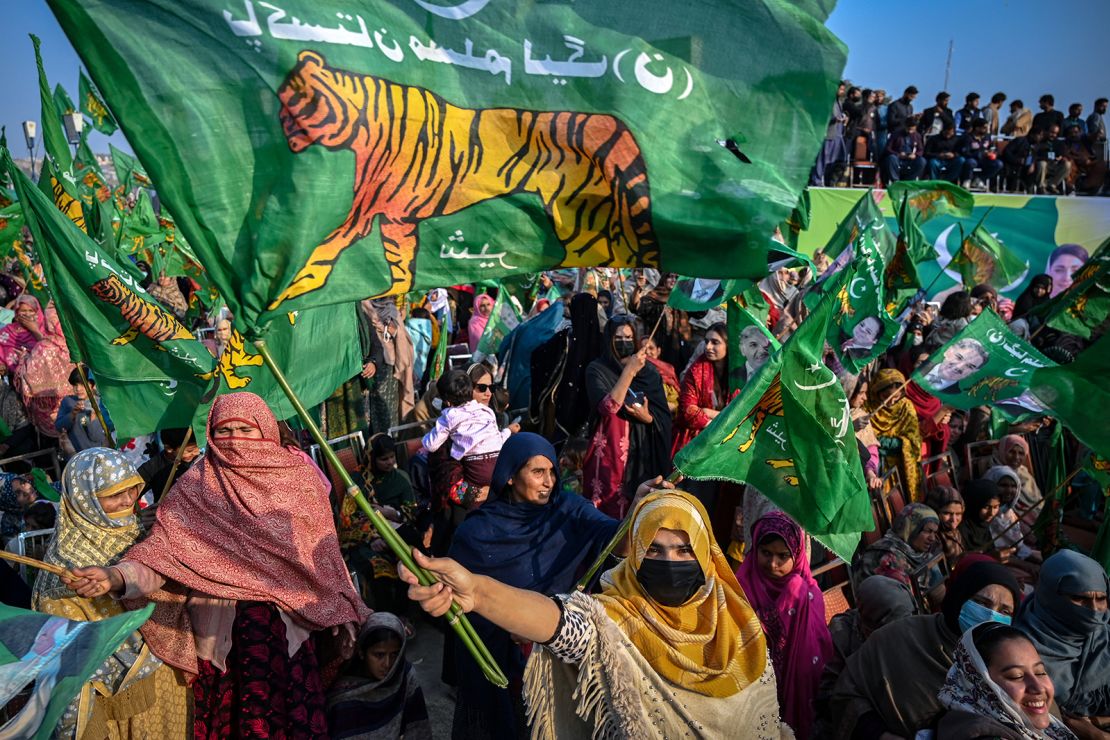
[(1021, 47)]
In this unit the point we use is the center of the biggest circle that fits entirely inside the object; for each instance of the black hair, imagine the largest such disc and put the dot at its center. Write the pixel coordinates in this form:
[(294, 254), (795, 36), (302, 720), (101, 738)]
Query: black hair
[(956, 306), (173, 438), (971, 96), (43, 512), (942, 95), (377, 636), (75, 378), (382, 444), (1046, 98), (421, 313), (983, 290), (1018, 102), (574, 450), (989, 637), (455, 387), (1101, 101), (720, 329), (998, 97), (911, 90)]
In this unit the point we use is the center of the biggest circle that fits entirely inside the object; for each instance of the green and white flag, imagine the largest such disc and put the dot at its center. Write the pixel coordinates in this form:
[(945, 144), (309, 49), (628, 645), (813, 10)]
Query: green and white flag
[(322, 152), (54, 657), (1086, 303), (789, 434), (93, 107), (929, 198), (750, 343), (502, 319), (982, 258), (986, 364)]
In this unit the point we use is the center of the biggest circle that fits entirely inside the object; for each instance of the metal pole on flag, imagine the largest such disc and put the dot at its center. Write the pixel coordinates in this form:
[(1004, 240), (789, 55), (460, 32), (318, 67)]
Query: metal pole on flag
[(455, 616)]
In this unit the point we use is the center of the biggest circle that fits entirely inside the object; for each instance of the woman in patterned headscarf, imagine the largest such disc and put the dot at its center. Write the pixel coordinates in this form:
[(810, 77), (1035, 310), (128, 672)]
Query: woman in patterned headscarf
[(894, 420), (133, 694), (669, 648), (905, 548)]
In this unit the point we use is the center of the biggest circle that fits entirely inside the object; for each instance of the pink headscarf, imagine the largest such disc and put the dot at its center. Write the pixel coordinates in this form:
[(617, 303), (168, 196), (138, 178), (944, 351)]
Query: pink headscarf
[(792, 611), (1007, 443), (14, 337), (477, 325), (251, 522)]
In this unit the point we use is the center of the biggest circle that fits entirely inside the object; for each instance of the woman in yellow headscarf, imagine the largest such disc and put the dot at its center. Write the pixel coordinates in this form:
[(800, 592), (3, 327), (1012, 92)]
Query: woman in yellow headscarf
[(669, 648), (132, 694), (894, 420)]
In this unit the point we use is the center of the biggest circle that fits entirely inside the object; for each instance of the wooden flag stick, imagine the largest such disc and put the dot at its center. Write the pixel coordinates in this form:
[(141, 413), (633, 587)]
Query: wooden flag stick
[(656, 327), (1042, 499), (176, 463), (83, 372), (24, 560)]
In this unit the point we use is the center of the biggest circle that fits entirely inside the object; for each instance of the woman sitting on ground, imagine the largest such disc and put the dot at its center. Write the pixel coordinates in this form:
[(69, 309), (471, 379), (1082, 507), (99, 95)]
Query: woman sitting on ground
[(669, 648)]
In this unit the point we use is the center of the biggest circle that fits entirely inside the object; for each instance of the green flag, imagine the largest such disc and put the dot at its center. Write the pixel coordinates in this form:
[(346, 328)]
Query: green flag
[(54, 140), (128, 170), (702, 294), (93, 107), (139, 227), (55, 657), (789, 434), (1076, 393), (929, 198), (11, 229), (520, 136), (750, 343), (865, 218), (502, 319), (62, 102), (986, 364), (1086, 302), (439, 359), (982, 258)]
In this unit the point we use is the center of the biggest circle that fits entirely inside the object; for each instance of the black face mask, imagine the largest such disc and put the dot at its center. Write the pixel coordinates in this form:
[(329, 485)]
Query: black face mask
[(670, 582), (624, 348)]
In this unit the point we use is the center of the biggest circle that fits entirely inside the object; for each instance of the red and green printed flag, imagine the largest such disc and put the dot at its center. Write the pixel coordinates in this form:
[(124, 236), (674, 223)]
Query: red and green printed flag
[(322, 152), (982, 258), (930, 198), (789, 434), (11, 229), (93, 107)]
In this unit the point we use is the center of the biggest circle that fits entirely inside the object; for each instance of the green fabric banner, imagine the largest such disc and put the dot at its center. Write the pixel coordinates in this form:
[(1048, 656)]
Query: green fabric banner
[(789, 434), (983, 259), (93, 107), (1086, 304), (750, 343), (324, 151)]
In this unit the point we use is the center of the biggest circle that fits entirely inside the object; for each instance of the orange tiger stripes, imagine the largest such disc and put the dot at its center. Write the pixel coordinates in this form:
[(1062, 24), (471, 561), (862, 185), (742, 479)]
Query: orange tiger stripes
[(145, 317), (417, 156)]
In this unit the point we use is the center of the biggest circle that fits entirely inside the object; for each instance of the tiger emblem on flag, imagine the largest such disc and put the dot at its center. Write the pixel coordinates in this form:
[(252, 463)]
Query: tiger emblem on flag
[(418, 156), (144, 317)]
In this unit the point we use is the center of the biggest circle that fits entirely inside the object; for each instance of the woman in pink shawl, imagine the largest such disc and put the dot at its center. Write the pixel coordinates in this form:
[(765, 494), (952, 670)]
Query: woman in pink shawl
[(244, 565), (777, 581), (34, 354), (483, 307)]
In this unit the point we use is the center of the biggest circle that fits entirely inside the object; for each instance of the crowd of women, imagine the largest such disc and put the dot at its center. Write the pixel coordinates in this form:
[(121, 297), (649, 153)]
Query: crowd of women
[(280, 612)]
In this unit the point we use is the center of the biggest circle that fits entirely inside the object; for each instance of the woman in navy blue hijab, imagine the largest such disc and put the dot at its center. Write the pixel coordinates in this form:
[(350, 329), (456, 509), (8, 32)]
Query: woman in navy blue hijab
[(530, 534)]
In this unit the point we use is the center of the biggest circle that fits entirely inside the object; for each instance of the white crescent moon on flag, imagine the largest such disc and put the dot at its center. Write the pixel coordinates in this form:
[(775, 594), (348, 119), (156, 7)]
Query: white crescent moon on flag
[(852, 287)]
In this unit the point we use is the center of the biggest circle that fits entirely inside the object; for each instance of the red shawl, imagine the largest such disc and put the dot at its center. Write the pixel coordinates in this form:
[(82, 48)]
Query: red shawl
[(927, 407), (250, 521)]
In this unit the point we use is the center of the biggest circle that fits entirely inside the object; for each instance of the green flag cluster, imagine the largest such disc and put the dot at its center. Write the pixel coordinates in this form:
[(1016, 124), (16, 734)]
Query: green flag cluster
[(789, 434), (560, 136), (55, 656), (929, 198)]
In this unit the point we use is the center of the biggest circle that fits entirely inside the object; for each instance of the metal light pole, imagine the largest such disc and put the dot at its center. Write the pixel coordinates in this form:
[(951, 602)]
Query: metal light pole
[(74, 123), (30, 129)]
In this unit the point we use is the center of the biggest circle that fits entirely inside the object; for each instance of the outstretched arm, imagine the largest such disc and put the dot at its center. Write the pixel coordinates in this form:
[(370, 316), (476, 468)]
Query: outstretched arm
[(527, 614)]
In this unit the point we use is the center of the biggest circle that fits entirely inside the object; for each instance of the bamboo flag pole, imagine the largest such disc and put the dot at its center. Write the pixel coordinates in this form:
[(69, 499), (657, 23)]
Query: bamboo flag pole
[(24, 560), (83, 372), (456, 618), (176, 463)]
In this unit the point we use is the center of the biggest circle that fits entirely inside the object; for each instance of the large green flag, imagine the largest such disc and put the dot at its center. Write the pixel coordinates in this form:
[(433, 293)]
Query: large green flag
[(929, 198), (54, 140), (702, 294), (321, 152), (900, 279), (1077, 394), (986, 364), (865, 218), (54, 657), (502, 320), (790, 435), (1086, 302), (982, 258), (93, 107)]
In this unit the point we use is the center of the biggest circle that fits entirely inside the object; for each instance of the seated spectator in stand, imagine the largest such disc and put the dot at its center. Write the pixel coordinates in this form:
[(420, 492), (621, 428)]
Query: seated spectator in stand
[(1018, 160), (968, 114), (471, 429), (900, 111), (1088, 168), (1075, 118), (949, 506), (992, 113), (1020, 122), (945, 162), (1050, 168), (155, 472), (76, 417), (905, 154), (1049, 116), (934, 119), (977, 151)]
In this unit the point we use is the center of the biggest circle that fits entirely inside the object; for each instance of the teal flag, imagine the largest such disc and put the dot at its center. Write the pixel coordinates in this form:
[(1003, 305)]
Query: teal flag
[(986, 364), (789, 434), (322, 152), (54, 140), (54, 657)]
